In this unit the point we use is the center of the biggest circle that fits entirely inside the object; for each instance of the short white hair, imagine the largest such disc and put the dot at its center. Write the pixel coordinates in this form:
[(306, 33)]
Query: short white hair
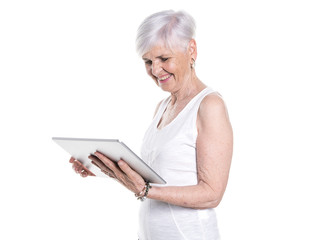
[(173, 29)]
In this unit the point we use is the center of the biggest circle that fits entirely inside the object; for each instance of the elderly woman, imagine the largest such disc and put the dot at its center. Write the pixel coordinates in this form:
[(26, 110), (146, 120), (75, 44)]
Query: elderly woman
[(189, 141)]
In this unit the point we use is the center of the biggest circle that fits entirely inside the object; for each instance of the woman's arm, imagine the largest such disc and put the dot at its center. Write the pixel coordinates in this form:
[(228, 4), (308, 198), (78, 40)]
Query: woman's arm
[(214, 153)]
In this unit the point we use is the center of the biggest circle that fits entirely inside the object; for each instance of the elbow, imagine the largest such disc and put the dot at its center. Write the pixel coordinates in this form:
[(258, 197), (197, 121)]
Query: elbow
[(216, 200), (215, 203), (211, 203), (210, 197)]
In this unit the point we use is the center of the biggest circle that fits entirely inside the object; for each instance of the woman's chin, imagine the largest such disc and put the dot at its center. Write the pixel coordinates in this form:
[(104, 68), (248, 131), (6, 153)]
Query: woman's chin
[(165, 89), (165, 85)]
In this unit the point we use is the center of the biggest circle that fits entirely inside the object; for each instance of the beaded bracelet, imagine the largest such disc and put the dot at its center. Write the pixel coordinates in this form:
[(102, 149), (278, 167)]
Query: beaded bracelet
[(143, 194)]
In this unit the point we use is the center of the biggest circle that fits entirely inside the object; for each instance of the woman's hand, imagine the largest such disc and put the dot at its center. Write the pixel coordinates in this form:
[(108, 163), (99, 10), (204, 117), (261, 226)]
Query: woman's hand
[(121, 171), (80, 168)]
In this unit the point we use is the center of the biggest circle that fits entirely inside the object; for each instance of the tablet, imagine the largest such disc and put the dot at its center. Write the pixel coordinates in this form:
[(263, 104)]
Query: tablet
[(81, 148)]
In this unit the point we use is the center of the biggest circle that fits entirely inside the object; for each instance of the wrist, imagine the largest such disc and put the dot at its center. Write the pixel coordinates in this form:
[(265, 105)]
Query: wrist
[(142, 195)]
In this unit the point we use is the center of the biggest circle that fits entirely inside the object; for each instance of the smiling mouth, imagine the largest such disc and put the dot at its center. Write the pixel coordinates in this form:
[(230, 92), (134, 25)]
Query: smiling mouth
[(164, 78)]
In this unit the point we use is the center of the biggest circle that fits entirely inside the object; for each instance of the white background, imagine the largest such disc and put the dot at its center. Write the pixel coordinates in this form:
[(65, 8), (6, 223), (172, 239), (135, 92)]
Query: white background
[(69, 68)]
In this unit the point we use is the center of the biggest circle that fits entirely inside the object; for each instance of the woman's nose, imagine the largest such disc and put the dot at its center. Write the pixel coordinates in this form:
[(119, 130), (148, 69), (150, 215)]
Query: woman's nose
[(156, 68)]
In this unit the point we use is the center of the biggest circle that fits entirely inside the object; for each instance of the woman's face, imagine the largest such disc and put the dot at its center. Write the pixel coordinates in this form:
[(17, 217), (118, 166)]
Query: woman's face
[(169, 69)]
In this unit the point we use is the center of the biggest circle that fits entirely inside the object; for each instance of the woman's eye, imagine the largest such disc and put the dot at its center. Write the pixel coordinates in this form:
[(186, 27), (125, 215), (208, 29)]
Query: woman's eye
[(164, 59), (148, 62)]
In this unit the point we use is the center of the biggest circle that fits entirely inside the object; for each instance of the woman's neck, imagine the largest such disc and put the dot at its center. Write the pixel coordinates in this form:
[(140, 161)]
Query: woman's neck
[(188, 90)]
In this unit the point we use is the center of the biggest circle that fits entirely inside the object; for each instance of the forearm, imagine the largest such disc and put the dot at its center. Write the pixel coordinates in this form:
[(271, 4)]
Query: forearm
[(199, 196)]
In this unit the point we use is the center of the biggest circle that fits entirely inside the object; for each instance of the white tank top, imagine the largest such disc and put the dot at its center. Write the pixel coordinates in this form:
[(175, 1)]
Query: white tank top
[(171, 152)]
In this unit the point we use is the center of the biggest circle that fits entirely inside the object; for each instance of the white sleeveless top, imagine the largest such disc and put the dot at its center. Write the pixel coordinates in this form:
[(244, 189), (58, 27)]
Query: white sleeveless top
[(171, 152)]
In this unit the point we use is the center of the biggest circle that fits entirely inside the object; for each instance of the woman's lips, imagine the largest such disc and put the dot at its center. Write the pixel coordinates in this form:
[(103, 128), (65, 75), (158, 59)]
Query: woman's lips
[(164, 79)]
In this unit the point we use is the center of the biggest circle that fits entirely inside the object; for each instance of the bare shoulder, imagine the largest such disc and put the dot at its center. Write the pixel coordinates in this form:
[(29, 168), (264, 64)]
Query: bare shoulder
[(212, 110), (212, 103)]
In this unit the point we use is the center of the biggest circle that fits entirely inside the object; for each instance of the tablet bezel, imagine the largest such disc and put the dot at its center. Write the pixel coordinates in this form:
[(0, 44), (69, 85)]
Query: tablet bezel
[(81, 148)]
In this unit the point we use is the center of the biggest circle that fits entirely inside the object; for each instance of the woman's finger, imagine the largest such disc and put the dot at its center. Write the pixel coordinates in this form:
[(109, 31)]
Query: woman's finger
[(98, 163), (128, 170), (88, 173), (72, 159), (80, 168), (125, 175), (108, 163), (75, 165), (84, 173), (113, 167)]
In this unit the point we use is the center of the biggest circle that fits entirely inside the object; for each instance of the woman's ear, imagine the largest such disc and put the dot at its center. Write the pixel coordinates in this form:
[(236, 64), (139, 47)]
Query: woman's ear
[(192, 48)]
